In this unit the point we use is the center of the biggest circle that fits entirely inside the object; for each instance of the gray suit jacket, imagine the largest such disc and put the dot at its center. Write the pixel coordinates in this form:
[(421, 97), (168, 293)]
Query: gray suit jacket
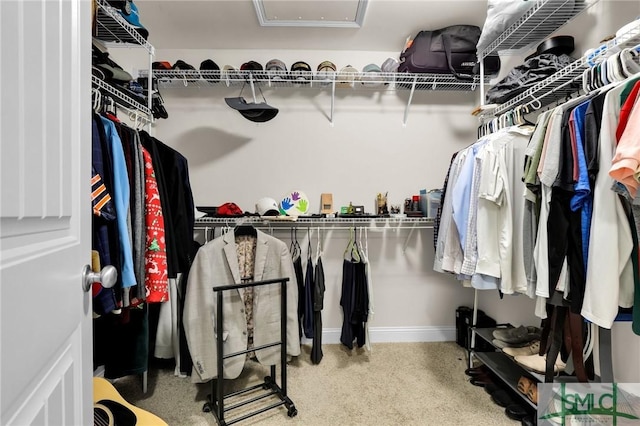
[(216, 264)]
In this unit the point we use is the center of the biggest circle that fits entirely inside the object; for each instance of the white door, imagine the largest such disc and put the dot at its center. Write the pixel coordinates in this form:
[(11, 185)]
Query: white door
[(45, 212)]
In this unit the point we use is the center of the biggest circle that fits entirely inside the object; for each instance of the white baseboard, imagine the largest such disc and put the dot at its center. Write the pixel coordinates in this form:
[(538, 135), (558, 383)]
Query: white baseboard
[(395, 334)]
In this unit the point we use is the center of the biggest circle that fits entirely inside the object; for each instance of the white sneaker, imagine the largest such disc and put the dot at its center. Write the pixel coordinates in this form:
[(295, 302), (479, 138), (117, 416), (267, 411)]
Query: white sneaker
[(532, 349), (538, 363)]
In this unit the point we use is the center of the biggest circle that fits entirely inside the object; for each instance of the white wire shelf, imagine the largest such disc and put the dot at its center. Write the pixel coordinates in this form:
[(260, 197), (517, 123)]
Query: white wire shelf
[(112, 27), (569, 79), (172, 79), (122, 99), (539, 22), (324, 223)]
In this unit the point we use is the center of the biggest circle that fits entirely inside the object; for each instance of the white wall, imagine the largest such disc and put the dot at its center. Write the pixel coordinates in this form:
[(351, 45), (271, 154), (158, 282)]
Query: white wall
[(367, 150)]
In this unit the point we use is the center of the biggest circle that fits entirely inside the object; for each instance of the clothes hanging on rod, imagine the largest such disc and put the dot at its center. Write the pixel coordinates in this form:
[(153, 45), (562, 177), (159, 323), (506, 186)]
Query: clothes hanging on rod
[(309, 284), (318, 305), (294, 248), (354, 297), (131, 237), (364, 257), (478, 240)]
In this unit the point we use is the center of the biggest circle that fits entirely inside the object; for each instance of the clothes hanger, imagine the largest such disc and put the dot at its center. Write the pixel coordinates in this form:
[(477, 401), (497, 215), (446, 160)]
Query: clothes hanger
[(359, 246), (319, 246), (309, 249), (524, 111), (628, 59), (244, 228), (292, 246), (351, 252), (97, 99)]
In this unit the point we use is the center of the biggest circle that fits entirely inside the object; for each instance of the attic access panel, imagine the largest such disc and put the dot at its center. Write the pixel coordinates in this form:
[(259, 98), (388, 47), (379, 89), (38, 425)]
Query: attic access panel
[(311, 13)]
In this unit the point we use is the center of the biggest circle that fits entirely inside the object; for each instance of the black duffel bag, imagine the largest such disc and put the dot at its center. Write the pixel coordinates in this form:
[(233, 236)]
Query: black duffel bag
[(450, 50)]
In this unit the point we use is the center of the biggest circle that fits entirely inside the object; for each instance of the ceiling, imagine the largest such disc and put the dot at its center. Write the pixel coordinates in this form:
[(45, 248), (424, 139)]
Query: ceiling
[(234, 24)]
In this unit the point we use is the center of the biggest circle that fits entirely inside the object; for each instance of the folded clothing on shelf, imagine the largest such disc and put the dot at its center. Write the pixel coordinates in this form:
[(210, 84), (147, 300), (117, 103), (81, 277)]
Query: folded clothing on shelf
[(524, 76)]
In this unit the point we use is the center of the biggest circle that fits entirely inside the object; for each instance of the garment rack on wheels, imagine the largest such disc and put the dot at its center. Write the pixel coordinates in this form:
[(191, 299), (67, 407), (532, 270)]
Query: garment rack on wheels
[(216, 403)]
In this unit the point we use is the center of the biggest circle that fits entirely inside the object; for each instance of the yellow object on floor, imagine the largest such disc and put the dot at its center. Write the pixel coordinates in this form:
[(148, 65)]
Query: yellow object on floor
[(111, 409)]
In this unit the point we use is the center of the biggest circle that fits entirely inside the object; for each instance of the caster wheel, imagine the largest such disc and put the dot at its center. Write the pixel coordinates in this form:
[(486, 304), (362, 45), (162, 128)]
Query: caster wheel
[(292, 412), (206, 408)]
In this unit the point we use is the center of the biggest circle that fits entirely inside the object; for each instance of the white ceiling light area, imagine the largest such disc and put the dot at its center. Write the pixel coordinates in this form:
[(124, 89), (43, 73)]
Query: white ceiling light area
[(311, 13)]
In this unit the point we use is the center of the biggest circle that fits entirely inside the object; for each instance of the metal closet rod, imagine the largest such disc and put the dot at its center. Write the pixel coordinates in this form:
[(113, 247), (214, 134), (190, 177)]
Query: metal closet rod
[(323, 227)]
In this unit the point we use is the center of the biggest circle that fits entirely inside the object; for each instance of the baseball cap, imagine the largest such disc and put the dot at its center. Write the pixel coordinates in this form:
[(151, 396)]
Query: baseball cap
[(325, 72), (161, 65), (371, 75), (347, 75), (390, 65), (210, 69), (276, 65), (229, 71), (300, 71), (256, 112), (251, 66), (190, 70), (229, 209), (267, 207), (326, 66), (134, 19), (277, 69)]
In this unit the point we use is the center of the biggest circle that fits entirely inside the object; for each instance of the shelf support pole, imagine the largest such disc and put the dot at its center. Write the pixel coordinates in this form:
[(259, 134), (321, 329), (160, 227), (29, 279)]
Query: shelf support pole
[(253, 89), (474, 322), (406, 109), (481, 81), (406, 242), (333, 97)]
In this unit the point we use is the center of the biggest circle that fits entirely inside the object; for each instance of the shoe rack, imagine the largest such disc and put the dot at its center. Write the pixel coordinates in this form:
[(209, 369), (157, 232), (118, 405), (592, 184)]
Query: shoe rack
[(505, 367)]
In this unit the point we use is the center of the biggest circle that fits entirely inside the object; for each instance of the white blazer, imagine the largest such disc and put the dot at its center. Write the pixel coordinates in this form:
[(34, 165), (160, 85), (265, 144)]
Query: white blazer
[(216, 264)]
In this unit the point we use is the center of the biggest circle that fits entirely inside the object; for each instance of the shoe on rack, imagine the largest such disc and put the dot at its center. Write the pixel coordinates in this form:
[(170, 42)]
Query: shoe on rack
[(528, 420), (491, 388), (532, 349), (476, 371), (522, 334), (502, 398), (481, 381), (516, 412), (538, 363)]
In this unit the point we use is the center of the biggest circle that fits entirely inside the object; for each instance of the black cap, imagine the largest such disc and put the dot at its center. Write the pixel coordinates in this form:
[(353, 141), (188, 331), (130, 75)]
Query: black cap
[(257, 112), (209, 65)]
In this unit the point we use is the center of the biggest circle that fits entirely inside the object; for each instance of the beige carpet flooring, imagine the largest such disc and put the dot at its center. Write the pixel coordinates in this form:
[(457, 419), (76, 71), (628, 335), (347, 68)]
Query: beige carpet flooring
[(395, 384)]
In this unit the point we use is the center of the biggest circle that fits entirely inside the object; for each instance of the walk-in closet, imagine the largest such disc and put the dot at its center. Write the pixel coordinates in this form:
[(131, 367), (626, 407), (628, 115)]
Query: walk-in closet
[(311, 212)]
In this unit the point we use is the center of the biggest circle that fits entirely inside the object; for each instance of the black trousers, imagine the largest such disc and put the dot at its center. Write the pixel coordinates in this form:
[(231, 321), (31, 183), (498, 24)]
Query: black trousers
[(565, 240), (355, 304)]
